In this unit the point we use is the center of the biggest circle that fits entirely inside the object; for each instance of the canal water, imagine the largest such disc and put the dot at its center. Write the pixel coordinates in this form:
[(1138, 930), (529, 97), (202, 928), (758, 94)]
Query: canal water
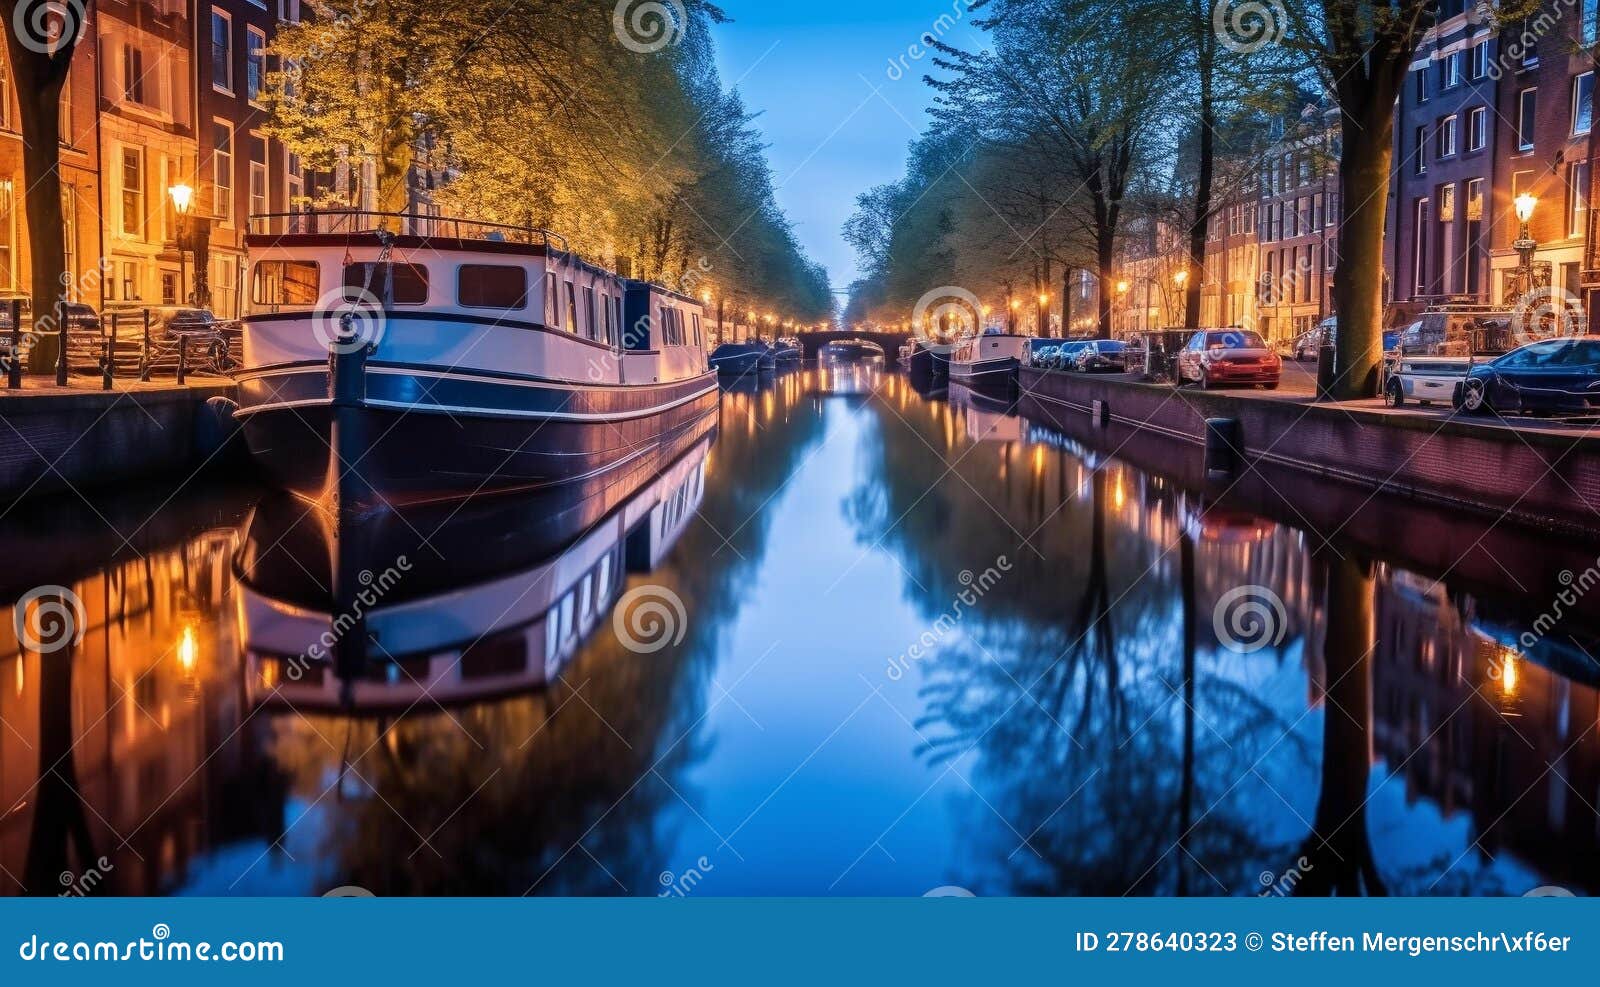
[(855, 638)]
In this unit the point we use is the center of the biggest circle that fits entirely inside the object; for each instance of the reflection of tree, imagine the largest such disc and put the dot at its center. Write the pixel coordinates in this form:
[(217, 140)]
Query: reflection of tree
[(1338, 849), (1120, 760), (59, 824)]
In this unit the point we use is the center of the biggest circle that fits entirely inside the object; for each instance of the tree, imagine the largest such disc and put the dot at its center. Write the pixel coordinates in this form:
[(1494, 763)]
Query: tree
[(40, 40)]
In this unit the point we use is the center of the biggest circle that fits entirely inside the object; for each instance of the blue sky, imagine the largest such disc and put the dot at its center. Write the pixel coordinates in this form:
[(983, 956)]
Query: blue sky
[(810, 69)]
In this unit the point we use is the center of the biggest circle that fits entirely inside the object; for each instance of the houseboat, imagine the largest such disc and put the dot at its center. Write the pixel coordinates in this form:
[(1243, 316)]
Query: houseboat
[(988, 363), (401, 358), (788, 350), (735, 360), (927, 359)]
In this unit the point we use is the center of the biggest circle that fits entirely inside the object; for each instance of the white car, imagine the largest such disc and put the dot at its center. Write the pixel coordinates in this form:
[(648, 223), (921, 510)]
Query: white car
[(1424, 380)]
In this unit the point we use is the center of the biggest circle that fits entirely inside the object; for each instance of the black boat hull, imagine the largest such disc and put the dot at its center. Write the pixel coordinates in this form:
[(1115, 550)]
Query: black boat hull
[(994, 378), (415, 437)]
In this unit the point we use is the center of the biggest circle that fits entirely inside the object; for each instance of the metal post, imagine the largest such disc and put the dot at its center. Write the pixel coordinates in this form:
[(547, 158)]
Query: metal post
[(61, 341), (144, 349), (14, 373), (183, 359), (108, 348)]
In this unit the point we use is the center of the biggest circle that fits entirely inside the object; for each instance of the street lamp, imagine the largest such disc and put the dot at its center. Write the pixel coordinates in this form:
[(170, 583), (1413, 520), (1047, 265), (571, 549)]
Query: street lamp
[(1122, 301), (182, 197), (1525, 244)]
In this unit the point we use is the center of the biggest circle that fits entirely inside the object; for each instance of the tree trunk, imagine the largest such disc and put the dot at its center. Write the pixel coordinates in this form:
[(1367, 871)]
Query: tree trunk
[(1105, 250), (1066, 301), (39, 78), (1202, 196), (1367, 126)]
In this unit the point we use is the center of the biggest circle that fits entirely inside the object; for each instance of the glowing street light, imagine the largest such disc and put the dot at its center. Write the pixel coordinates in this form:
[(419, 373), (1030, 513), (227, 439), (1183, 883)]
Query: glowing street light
[(182, 198)]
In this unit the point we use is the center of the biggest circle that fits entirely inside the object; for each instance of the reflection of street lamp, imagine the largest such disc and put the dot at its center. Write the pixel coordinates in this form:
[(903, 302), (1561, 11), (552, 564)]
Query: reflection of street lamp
[(1525, 245), (182, 197)]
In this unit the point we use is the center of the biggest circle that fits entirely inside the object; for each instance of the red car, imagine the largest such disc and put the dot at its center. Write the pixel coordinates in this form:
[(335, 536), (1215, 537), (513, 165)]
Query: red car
[(1219, 357)]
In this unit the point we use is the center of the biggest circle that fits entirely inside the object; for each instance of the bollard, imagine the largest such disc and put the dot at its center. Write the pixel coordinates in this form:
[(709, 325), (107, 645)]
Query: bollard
[(61, 343), (14, 372), (144, 350), (183, 359), (1100, 414), (1223, 446), (107, 353), (1327, 358)]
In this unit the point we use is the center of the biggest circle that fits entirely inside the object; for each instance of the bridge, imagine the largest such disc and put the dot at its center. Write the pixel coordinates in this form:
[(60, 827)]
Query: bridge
[(812, 342)]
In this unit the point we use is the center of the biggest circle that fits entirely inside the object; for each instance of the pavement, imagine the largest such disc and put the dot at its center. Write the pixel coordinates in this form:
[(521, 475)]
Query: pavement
[(1299, 386), (46, 385)]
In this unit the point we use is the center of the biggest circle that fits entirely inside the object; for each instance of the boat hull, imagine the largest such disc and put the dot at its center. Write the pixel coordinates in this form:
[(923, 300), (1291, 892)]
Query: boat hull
[(415, 436), (996, 378), (925, 362), (737, 360)]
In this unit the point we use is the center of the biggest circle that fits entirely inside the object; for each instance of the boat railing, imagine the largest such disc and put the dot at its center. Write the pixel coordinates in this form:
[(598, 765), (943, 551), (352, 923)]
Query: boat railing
[(355, 221)]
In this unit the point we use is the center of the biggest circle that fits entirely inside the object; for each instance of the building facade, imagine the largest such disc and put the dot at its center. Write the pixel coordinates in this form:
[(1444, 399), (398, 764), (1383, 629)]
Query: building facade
[(1297, 222), (1228, 290), (1447, 137), (1546, 110)]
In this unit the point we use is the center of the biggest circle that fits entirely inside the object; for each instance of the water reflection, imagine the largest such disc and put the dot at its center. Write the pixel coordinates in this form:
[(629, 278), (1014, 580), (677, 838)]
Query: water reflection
[(267, 701)]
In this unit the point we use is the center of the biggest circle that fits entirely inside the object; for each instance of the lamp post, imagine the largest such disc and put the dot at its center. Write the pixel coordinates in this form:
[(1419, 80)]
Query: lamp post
[(1122, 302), (1043, 328), (1525, 244), (1180, 279), (182, 197)]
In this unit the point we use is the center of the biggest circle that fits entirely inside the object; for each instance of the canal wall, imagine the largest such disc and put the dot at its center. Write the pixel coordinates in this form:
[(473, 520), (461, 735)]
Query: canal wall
[(1537, 477), (55, 440)]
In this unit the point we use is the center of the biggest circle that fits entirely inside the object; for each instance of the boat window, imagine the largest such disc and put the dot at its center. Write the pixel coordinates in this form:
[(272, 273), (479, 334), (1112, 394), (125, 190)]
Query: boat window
[(410, 281), (604, 594), (572, 309), (492, 286), (552, 635), (611, 329), (280, 283), (697, 330), (567, 603), (586, 596), (552, 303), (592, 324)]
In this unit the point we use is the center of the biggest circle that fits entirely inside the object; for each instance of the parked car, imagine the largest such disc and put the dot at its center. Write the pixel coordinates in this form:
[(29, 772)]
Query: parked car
[(1042, 352), (81, 316), (1551, 376), (1216, 357), (1102, 356), (1305, 346), (1424, 380)]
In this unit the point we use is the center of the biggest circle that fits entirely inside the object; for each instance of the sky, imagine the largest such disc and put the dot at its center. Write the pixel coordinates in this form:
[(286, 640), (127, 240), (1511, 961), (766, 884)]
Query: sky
[(838, 119)]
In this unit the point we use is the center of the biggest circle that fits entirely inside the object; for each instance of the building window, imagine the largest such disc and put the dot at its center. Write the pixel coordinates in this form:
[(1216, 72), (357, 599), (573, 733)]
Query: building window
[(1527, 103), (1582, 103), (1419, 260), (1419, 152), (1577, 198), (258, 188), (255, 52), (1480, 59), (1590, 22), (133, 75), (222, 171), (132, 191), (221, 51), (1450, 68), (1477, 128), (1448, 134), (294, 182), (289, 10), (1422, 85)]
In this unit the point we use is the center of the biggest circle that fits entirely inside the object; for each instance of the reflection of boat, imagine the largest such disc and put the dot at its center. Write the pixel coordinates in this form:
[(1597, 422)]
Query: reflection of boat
[(787, 350), (495, 598), (987, 420), (849, 376), (738, 359), (465, 358), (1214, 523), (989, 363)]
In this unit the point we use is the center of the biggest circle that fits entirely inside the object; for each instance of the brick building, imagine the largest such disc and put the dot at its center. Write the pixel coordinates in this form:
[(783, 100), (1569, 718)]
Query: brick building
[(1447, 138), (1297, 222)]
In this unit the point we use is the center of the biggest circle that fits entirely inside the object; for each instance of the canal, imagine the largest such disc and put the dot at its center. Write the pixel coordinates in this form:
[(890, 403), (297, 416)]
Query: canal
[(858, 639)]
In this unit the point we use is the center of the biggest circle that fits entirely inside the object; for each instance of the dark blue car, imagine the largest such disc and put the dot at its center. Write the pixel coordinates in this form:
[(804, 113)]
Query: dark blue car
[(1552, 376)]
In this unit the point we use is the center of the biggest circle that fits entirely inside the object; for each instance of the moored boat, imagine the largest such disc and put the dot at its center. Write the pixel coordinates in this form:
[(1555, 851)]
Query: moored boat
[(989, 363), (399, 358), (926, 360), (788, 350), (738, 359)]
